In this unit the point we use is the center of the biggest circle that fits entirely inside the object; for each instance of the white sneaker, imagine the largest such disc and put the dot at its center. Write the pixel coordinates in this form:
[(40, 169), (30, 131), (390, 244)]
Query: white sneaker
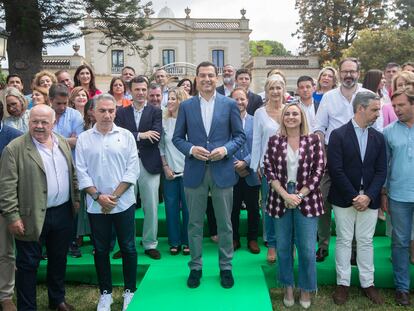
[(127, 298), (105, 302)]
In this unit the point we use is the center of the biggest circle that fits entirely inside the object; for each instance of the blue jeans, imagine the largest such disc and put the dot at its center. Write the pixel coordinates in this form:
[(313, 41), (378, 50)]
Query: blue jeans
[(101, 228), (295, 229), (269, 221), (401, 218), (175, 205)]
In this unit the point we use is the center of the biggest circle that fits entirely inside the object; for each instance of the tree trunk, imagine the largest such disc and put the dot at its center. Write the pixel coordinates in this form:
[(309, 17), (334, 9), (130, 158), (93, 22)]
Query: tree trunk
[(24, 46)]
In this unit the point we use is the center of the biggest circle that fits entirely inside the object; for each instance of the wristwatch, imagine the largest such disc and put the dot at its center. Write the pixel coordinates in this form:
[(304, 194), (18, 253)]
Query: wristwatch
[(96, 195), (300, 195)]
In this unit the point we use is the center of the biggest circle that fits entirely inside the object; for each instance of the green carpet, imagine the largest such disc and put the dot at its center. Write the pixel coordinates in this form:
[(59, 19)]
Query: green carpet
[(162, 283)]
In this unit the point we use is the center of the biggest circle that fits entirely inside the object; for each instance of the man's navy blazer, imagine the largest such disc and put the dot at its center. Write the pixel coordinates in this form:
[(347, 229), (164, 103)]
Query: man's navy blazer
[(151, 119), (226, 130), (255, 102), (346, 167)]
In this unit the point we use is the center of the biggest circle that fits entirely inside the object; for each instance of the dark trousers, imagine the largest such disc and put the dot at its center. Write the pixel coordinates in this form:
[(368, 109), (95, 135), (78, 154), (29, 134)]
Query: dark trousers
[(250, 195), (101, 228), (56, 234)]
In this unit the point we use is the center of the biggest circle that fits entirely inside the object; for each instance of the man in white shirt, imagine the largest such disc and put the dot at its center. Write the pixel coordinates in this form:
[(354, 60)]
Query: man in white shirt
[(107, 166), (305, 89), (334, 111), (161, 77), (229, 77)]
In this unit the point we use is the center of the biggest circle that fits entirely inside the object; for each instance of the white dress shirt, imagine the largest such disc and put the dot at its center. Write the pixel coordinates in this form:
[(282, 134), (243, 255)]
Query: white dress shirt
[(207, 110), (264, 127), (137, 117), (310, 114), (57, 172), (335, 110), (104, 161), (174, 157)]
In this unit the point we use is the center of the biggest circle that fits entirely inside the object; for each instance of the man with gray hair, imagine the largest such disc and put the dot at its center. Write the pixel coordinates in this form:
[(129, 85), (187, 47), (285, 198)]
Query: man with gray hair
[(229, 80), (107, 166), (155, 95), (358, 169)]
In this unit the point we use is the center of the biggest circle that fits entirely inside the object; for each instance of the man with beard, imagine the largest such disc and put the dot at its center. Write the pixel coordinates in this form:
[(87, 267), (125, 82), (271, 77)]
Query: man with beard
[(334, 111), (228, 80)]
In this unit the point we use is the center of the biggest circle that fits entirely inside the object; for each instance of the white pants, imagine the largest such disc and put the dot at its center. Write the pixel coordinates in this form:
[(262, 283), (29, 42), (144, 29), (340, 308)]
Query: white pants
[(347, 221), (148, 190)]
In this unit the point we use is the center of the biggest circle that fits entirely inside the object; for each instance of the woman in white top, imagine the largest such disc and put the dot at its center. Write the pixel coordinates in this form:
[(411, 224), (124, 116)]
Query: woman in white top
[(16, 114), (173, 165), (266, 124)]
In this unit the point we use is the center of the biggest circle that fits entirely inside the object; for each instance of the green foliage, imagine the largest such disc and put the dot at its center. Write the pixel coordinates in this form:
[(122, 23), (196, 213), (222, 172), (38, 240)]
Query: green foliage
[(376, 48), (326, 27), (267, 48)]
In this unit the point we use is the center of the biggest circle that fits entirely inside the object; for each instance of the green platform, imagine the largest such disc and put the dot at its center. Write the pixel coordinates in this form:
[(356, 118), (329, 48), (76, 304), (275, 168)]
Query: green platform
[(162, 283)]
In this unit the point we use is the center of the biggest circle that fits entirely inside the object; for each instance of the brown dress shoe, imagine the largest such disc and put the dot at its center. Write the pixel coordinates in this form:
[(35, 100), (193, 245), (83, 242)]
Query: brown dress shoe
[(321, 254), (153, 253), (373, 295), (253, 247), (341, 294), (402, 298), (8, 305)]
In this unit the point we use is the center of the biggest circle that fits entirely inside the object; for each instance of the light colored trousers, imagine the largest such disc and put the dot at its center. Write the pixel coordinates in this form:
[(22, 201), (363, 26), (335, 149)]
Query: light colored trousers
[(347, 221), (7, 261), (148, 190), (197, 204)]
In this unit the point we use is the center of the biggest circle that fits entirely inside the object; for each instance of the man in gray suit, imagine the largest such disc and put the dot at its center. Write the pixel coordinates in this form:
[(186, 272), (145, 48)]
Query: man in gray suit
[(216, 134)]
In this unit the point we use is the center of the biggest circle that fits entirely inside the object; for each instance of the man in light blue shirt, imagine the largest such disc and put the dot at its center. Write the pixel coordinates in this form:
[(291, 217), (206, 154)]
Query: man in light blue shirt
[(399, 137)]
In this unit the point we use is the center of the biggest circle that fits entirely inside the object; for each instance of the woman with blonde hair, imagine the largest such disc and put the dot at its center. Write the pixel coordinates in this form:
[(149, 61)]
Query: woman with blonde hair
[(266, 123), (16, 114), (78, 99), (327, 80), (40, 95), (173, 165), (294, 165), (44, 79)]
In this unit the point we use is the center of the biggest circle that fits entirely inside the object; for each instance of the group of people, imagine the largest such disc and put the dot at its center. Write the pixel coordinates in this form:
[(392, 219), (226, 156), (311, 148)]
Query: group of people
[(74, 159)]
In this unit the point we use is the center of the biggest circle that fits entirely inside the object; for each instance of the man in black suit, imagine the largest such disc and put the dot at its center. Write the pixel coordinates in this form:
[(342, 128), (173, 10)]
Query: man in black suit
[(358, 169), (145, 123), (228, 81), (243, 79)]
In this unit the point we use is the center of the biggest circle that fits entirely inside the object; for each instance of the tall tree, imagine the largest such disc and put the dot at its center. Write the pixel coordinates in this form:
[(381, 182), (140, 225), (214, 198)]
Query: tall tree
[(404, 13), (326, 27), (376, 48), (34, 24), (267, 47)]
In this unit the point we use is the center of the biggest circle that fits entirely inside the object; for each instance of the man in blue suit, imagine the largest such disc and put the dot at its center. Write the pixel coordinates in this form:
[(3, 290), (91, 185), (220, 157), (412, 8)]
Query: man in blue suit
[(144, 121), (358, 169), (248, 185), (208, 132)]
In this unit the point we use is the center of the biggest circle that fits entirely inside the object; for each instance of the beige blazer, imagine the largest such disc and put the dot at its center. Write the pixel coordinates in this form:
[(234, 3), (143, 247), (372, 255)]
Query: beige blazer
[(23, 185)]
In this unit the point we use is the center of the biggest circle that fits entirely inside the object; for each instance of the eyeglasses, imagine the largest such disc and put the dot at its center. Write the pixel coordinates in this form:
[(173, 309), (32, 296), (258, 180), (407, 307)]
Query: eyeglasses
[(348, 72)]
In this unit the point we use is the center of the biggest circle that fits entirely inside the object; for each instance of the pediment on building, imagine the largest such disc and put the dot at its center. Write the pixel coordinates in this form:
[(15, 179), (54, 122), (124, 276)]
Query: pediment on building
[(168, 25)]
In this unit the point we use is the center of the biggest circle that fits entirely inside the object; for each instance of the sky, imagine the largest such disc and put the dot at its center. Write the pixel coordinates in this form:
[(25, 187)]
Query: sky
[(268, 19)]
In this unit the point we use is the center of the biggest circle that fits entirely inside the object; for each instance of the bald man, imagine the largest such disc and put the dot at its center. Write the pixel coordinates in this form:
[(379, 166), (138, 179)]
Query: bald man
[(38, 198)]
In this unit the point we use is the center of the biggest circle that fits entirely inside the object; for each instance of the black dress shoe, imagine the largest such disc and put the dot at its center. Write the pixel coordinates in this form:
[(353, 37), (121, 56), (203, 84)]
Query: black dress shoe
[(321, 254), (226, 278), (402, 298), (64, 306), (193, 280), (236, 245), (153, 253)]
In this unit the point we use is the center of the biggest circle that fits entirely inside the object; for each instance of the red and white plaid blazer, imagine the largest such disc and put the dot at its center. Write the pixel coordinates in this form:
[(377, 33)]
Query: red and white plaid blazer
[(310, 170)]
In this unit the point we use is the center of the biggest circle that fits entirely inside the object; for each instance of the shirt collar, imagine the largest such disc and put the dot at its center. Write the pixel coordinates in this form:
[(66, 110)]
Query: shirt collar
[(136, 110), (39, 144), (212, 99), (356, 126), (113, 130)]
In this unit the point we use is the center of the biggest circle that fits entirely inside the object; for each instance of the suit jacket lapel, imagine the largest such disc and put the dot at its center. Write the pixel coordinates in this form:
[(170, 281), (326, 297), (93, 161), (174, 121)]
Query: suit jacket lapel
[(216, 115), (33, 153), (354, 138), (370, 147), (197, 113)]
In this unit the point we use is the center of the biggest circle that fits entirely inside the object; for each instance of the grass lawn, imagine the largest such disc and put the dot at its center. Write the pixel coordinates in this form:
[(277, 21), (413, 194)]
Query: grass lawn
[(85, 297)]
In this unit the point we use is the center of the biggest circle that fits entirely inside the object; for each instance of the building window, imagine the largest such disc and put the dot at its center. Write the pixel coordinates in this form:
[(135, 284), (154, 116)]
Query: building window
[(168, 57), (117, 61), (218, 58)]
